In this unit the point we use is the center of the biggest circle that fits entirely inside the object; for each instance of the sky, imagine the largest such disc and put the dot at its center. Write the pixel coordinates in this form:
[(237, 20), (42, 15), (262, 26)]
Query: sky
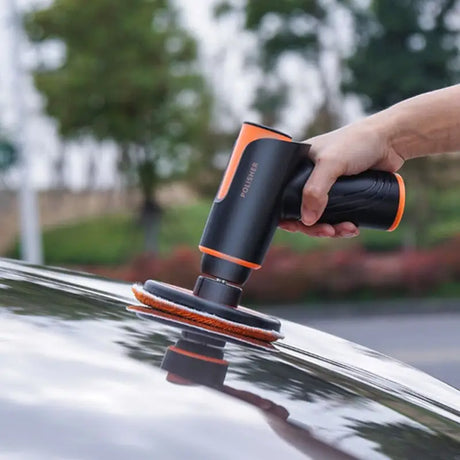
[(222, 55)]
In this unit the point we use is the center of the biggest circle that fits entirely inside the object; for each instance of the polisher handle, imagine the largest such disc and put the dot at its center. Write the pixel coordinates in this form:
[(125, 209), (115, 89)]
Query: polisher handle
[(371, 199)]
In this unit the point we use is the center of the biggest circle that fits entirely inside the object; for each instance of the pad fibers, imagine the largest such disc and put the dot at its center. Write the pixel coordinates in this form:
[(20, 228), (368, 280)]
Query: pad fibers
[(206, 319)]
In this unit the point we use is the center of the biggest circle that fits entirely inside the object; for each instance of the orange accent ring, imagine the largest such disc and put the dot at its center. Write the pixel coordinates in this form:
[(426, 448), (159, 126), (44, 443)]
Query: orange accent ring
[(198, 356), (235, 260), (402, 203), (177, 379), (248, 133)]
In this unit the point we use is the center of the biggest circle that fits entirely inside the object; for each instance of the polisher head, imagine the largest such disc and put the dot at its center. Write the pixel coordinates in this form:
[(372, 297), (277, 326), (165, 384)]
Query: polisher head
[(182, 303)]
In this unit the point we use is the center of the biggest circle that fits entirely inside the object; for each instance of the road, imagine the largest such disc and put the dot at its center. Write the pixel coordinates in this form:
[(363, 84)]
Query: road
[(427, 341)]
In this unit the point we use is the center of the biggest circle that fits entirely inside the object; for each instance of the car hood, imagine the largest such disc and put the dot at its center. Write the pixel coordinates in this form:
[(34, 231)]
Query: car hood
[(82, 377)]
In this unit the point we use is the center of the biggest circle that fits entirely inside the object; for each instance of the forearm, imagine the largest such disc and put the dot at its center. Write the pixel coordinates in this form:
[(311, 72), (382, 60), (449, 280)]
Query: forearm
[(423, 125)]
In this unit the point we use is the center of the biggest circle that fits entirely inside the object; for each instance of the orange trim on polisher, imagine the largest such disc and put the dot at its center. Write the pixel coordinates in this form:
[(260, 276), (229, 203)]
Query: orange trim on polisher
[(198, 356), (200, 318), (401, 205), (235, 260), (177, 379), (247, 134)]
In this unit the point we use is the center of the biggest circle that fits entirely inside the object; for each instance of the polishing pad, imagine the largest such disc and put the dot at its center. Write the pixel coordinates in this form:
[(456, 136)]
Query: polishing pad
[(239, 321), (150, 313)]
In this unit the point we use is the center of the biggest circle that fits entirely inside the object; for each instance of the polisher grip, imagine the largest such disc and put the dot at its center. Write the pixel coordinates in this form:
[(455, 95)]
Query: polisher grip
[(371, 199)]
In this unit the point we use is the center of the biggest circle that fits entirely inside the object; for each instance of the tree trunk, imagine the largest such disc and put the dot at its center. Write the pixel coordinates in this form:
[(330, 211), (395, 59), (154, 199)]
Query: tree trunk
[(151, 211), (151, 214), (59, 181), (419, 212)]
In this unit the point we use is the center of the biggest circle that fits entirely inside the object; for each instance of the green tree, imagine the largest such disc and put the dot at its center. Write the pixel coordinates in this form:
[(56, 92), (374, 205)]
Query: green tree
[(129, 75), (403, 50), (291, 28)]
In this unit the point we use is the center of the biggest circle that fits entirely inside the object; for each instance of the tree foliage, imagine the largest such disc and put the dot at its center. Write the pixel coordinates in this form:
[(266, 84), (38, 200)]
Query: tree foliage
[(129, 74), (287, 28), (294, 28), (403, 49)]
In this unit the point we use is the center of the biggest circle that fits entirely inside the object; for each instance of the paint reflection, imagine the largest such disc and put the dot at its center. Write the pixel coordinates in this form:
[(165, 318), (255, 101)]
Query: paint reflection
[(302, 407), (198, 357)]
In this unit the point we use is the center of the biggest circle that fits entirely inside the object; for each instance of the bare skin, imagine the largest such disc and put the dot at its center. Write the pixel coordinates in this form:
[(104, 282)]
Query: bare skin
[(423, 125)]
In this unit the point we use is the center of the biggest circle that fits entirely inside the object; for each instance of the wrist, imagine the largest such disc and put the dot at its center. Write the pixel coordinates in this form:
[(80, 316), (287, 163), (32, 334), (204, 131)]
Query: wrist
[(379, 128), (389, 137)]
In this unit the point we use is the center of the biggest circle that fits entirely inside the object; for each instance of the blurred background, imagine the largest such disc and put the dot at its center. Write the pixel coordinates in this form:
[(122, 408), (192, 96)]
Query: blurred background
[(117, 119)]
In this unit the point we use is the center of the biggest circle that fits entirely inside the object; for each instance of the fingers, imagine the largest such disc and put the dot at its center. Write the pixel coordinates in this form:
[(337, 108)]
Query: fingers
[(346, 230), (319, 230), (316, 189), (342, 230)]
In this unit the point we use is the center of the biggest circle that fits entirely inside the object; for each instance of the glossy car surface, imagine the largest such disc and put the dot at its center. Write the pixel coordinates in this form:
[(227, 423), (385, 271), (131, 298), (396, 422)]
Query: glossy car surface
[(81, 377)]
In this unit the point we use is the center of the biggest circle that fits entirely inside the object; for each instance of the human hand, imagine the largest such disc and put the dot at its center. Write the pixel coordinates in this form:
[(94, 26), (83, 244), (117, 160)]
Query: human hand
[(350, 150)]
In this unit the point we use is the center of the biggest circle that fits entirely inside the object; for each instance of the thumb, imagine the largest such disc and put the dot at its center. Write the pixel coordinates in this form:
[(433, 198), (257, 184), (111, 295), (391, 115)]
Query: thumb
[(316, 189)]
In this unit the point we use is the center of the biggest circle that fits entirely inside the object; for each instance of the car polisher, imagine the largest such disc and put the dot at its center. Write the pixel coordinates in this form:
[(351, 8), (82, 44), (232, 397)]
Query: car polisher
[(262, 185)]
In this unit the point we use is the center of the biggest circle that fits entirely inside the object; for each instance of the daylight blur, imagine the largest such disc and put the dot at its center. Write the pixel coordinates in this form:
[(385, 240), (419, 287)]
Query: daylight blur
[(117, 119)]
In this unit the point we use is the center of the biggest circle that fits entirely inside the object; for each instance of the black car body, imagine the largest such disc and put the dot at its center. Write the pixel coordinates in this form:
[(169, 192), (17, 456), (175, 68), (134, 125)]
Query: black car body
[(82, 377)]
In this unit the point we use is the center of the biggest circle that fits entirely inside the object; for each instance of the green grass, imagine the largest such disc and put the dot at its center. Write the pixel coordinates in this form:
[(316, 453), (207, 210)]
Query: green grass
[(107, 240), (112, 240), (115, 239), (183, 225)]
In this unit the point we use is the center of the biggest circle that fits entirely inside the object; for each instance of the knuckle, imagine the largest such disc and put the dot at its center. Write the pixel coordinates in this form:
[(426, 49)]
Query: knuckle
[(313, 192), (335, 163)]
